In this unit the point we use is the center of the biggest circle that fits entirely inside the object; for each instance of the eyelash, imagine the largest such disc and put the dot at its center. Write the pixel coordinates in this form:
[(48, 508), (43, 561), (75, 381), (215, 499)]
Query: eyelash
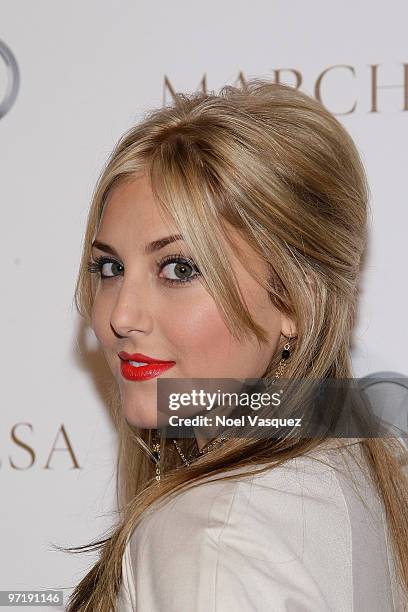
[(95, 267)]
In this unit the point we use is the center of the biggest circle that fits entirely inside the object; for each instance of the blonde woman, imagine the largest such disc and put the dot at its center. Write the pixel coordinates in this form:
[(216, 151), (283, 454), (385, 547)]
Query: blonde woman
[(224, 240)]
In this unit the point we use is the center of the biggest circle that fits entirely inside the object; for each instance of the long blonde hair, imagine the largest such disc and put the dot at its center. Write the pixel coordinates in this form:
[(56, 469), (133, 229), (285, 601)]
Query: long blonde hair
[(278, 167)]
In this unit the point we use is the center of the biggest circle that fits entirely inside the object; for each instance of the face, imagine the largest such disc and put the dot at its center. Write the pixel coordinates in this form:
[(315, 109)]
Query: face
[(154, 303)]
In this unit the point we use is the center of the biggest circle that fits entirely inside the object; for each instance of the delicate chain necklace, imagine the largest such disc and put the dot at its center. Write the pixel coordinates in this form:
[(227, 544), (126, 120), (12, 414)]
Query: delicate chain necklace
[(220, 440), (203, 451)]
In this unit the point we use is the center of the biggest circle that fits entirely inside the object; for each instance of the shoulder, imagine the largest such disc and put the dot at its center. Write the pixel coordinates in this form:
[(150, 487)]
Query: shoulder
[(299, 533), (322, 492), (310, 531), (314, 530)]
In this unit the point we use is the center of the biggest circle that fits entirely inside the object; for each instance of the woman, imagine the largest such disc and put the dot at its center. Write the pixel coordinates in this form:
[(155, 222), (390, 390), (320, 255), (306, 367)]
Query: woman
[(225, 239)]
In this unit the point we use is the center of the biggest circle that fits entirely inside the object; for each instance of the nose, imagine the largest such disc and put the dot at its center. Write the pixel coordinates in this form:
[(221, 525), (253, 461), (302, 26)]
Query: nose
[(131, 311)]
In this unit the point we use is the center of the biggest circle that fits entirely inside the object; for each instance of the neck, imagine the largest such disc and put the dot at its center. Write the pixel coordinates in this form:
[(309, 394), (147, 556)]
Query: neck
[(201, 439), (203, 435)]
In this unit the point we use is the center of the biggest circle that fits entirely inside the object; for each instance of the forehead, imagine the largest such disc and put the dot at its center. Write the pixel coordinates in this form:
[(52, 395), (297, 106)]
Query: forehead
[(132, 208)]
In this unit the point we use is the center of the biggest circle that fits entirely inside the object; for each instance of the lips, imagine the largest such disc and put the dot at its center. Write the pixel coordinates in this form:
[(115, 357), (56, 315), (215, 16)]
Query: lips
[(141, 357), (154, 367)]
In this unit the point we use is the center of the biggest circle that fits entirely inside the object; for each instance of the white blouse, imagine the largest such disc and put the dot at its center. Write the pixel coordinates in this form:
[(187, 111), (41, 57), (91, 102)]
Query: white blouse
[(297, 538)]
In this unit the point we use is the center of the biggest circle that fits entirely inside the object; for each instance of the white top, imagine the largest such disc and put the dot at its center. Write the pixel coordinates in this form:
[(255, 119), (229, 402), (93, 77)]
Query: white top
[(297, 538)]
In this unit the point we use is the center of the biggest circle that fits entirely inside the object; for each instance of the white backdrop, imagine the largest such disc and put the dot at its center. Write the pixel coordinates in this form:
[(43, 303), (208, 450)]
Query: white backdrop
[(87, 71)]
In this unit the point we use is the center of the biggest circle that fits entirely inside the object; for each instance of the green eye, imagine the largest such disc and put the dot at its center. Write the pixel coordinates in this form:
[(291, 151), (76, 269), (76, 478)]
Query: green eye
[(102, 266), (181, 269)]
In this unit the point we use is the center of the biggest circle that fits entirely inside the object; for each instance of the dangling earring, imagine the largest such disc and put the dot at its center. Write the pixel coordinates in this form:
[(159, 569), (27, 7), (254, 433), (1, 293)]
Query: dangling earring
[(284, 358)]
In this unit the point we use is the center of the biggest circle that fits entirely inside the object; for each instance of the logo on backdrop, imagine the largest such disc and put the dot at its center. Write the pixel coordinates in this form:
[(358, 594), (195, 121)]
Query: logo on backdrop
[(25, 453), (12, 79), (322, 87)]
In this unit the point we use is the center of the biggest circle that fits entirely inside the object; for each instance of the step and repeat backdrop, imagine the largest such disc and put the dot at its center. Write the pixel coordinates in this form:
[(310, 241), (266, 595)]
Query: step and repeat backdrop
[(73, 77)]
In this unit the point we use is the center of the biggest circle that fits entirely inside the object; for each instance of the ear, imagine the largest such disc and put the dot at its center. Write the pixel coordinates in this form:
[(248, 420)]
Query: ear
[(288, 327)]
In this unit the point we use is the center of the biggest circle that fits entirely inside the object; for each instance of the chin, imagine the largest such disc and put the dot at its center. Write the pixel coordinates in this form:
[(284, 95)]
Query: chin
[(140, 418), (142, 423)]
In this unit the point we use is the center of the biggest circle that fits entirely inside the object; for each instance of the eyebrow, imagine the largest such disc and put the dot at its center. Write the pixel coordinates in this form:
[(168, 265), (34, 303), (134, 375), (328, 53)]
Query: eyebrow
[(156, 245)]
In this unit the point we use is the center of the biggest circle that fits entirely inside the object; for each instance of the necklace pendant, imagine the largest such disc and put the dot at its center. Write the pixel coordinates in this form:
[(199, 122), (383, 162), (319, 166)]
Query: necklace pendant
[(156, 455)]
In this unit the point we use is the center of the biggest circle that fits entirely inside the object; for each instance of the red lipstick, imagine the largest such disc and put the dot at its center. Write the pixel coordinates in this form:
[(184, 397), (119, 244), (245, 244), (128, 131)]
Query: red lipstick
[(151, 367)]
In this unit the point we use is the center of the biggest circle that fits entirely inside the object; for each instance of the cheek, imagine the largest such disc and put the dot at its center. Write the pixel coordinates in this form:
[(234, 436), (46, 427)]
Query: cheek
[(198, 333), (204, 347)]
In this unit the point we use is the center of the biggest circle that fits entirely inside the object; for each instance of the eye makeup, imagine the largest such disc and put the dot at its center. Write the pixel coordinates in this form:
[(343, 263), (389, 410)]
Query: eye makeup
[(97, 266)]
